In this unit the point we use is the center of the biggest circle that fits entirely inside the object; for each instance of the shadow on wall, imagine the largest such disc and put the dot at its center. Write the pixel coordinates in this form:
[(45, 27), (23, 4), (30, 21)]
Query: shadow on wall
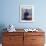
[(2, 26)]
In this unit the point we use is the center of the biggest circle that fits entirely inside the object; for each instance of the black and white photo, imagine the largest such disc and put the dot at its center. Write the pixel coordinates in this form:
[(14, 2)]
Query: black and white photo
[(26, 13)]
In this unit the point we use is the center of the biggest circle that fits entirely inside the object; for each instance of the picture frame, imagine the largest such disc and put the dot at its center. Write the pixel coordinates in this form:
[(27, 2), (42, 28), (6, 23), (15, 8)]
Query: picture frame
[(26, 13)]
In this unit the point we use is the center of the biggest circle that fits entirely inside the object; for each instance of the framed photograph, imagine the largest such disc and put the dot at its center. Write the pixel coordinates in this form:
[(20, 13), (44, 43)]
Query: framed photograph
[(26, 13)]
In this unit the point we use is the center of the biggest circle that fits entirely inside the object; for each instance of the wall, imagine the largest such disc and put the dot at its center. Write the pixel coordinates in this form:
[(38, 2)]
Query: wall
[(9, 13)]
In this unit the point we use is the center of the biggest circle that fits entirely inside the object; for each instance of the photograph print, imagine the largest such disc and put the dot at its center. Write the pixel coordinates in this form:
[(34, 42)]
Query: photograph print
[(26, 13)]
